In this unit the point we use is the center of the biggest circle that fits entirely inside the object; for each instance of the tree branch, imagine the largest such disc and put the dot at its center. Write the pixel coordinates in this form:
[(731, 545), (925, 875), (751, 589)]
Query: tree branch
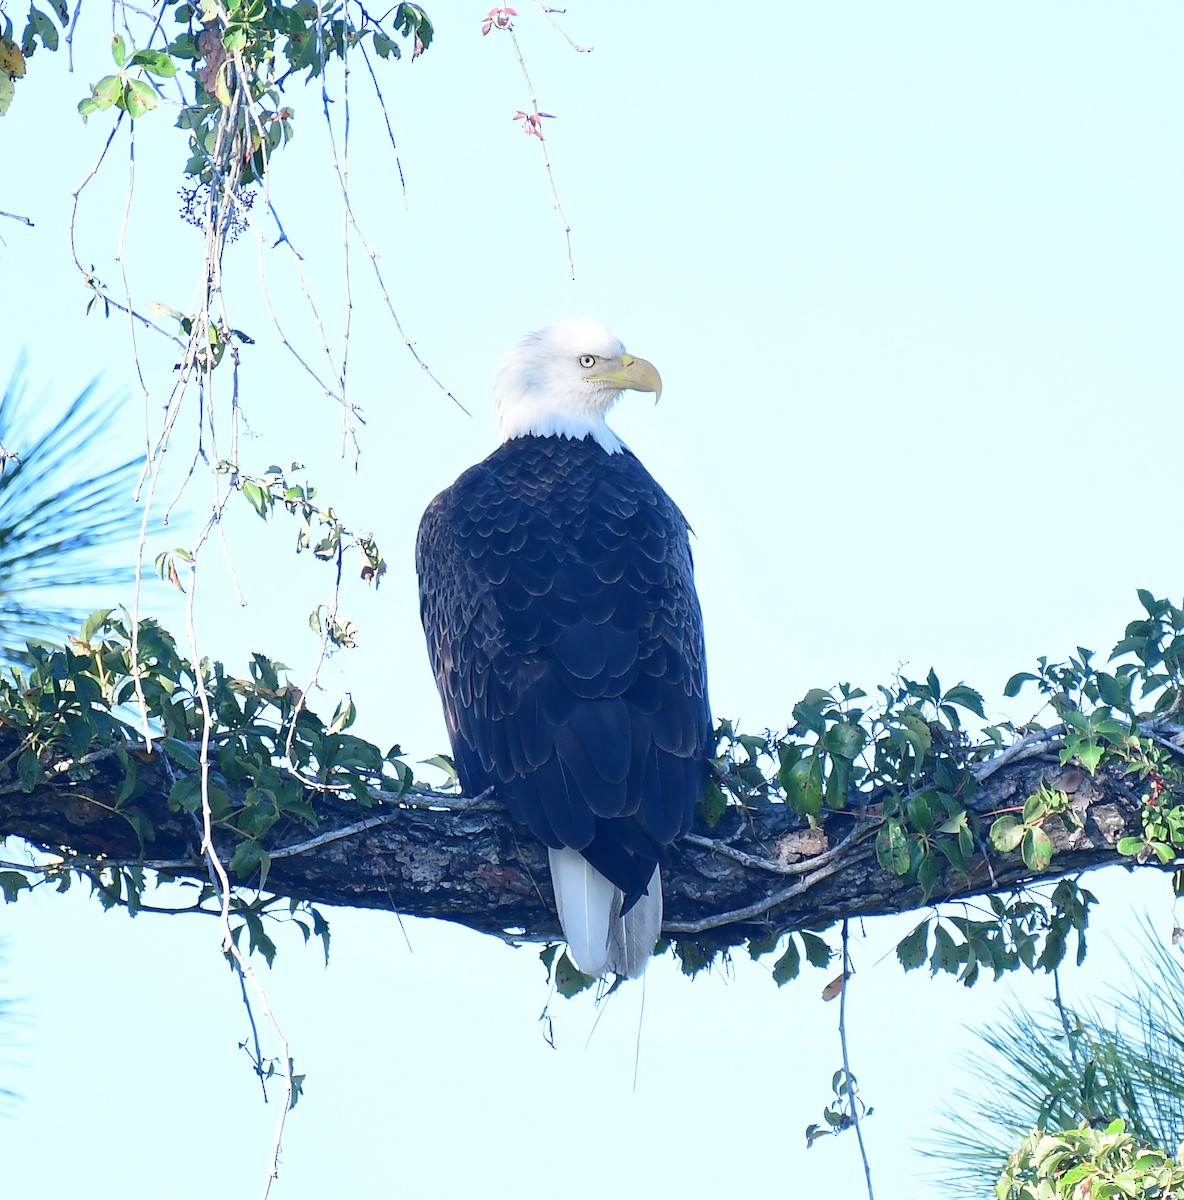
[(437, 855)]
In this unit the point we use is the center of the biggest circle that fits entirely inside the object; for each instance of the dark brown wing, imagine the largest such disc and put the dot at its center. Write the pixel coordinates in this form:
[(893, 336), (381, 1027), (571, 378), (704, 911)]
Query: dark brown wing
[(558, 598)]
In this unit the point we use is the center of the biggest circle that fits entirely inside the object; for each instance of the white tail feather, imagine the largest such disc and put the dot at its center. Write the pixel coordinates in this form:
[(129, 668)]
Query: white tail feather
[(631, 938), (599, 939), (585, 900)]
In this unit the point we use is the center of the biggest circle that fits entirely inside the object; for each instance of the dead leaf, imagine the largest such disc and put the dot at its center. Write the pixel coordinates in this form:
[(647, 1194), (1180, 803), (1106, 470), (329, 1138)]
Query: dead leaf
[(835, 987)]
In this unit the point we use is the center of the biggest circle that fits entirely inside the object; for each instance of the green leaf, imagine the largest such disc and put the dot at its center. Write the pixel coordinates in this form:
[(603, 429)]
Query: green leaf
[(917, 733), (955, 824), (258, 937), (818, 953), (219, 802), (221, 86), (892, 847), (713, 804), (569, 979), (28, 770), (1113, 692), (1035, 808), (264, 867), (81, 730), (257, 497), (967, 698), (156, 62), (1053, 953), (181, 754), (106, 92), (947, 954), (788, 965), (12, 883), (42, 27), (927, 875), (185, 794), (1163, 852), (913, 949), (118, 50), (1017, 681), (1037, 849), (919, 813), (1089, 754), (803, 786), (762, 945), (844, 740), (838, 783), (320, 929), (127, 786), (808, 710), (246, 859), (94, 622), (690, 955), (444, 763), (1006, 834), (138, 98), (547, 957)]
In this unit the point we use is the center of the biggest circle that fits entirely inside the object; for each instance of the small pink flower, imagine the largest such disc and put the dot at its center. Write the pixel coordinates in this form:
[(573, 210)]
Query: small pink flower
[(498, 18), (532, 123)]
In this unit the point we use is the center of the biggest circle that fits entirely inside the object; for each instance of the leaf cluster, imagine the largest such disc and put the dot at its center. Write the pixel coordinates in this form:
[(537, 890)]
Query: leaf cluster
[(255, 759), (1025, 930), (908, 766), (841, 1113), (126, 89), (1109, 719), (319, 530), (39, 27), (1103, 1164), (237, 55)]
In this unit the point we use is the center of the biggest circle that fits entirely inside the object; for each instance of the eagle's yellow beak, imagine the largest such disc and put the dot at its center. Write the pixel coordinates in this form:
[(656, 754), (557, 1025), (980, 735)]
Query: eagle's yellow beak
[(635, 374)]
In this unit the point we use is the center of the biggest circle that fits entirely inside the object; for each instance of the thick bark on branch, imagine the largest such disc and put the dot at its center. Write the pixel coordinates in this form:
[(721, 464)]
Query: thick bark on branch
[(758, 871)]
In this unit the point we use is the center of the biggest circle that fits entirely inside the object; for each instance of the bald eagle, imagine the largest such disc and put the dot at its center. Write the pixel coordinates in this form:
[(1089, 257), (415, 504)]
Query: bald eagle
[(558, 599)]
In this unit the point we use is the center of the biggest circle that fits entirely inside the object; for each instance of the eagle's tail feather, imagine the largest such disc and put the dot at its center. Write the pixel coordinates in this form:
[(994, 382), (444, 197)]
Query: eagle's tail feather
[(631, 938), (586, 902), (599, 939)]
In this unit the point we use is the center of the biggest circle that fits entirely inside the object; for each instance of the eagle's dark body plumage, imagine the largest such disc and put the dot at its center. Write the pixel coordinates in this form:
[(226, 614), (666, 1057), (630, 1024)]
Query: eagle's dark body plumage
[(558, 598)]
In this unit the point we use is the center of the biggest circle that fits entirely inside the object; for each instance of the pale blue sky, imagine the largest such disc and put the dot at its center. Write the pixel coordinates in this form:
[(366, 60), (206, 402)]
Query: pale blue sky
[(912, 276)]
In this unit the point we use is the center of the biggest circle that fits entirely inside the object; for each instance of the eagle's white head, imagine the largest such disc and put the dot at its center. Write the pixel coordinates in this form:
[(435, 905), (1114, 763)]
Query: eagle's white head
[(562, 380)]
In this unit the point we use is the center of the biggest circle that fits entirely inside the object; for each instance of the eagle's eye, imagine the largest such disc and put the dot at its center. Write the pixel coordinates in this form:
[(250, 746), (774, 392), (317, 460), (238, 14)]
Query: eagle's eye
[(587, 360)]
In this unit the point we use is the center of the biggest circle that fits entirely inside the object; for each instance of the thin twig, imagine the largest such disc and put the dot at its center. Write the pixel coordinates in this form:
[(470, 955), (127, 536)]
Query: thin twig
[(765, 864), (353, 223), (326, 631), (758, 907), (70, 37), (852, 1093), (535, 127), (242, 983), (1031, 745), (546, 10), (390, 133), (229, 944)]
